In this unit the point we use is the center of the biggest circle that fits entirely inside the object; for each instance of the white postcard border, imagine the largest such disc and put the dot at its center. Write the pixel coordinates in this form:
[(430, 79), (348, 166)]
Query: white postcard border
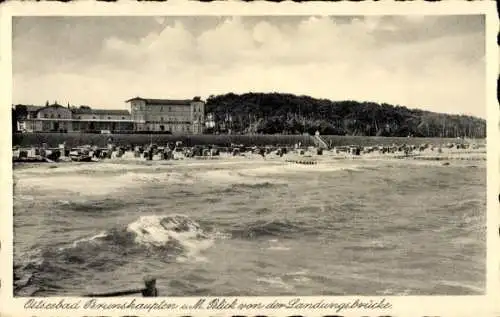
[(401, 305)]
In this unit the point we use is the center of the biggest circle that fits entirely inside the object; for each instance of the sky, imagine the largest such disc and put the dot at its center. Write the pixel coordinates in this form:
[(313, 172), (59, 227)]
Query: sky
[(435, 63)]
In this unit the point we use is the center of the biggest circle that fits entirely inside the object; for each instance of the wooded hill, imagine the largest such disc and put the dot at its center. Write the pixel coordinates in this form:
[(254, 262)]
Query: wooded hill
[(272, 113)]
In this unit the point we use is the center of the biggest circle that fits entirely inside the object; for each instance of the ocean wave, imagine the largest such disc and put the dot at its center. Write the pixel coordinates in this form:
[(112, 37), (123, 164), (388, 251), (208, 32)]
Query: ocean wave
[(39, 270), (278, 248), (92, 206), (89, 239), (96, 185), (170, 235), (311, 215), (301, 277), (170, 238), (273, 228), (454, 287), (274, 281), (157, 177), (290, 168), (230, 177), (266, 184), (174, 231), (466, 204), (230, 181), (372, 246), (249, 187)]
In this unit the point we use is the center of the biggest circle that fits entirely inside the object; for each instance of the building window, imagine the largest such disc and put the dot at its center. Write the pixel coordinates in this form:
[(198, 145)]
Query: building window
[(45, 115), (161, 108), (169, 108), (59, 116), (109, 117), (123, 118), (52, 116), (93, 117), (79, 117)]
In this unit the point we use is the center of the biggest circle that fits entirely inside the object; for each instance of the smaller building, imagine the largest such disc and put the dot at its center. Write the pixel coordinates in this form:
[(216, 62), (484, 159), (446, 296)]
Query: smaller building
[(52, 118), (56, 118), (26, 114), (86, 119), (31, 111)]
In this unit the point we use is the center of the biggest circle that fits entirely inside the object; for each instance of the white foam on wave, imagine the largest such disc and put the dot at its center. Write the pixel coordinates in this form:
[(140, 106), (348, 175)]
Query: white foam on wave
[(462, 285), (160, 231), (160, 177), (292, 168), (24, 197), (225, 176), (232, 177), (299, 276), (81, 184), (266, 172), (101, 179), (278, 248), (33, 256), (97, 184), (274, 281), (81, 168), (90, 239), (298, 273), (275, 245)]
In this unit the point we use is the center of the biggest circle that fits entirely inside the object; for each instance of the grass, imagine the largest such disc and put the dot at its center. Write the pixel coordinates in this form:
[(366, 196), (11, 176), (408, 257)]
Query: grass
[(340, 140)]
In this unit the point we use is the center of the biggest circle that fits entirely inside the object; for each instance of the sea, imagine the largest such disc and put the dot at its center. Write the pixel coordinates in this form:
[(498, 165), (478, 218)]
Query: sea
[(251, 227)]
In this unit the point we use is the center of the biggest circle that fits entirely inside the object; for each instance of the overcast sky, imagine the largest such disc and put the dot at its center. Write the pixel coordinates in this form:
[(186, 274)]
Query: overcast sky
[(434, 62)]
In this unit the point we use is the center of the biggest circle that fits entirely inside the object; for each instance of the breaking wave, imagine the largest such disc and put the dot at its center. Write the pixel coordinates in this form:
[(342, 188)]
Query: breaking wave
[(177, 231), (273, 228), (99, 184), (170, 238), (92, 206)]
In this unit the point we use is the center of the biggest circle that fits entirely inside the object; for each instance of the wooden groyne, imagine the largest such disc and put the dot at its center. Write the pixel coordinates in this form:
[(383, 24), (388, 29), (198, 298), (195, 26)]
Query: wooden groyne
[(206, 158), (149, 290), (450, 158), (302, 162)]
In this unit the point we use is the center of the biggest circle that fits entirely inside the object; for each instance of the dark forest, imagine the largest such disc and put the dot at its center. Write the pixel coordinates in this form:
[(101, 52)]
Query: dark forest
[(277, 113)]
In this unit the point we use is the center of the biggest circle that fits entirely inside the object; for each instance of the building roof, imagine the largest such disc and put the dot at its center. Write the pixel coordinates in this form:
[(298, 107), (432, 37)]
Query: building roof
[(100, 111), (29, 108), (160, 102), (55, 105), (33, 108)]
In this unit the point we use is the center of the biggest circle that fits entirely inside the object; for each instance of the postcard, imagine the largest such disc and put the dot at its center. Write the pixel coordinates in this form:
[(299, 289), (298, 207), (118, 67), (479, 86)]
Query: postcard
[(193, 159)]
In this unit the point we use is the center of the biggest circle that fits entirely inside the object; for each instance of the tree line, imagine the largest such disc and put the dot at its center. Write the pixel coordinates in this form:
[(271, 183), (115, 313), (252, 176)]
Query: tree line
[(278, 113)]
